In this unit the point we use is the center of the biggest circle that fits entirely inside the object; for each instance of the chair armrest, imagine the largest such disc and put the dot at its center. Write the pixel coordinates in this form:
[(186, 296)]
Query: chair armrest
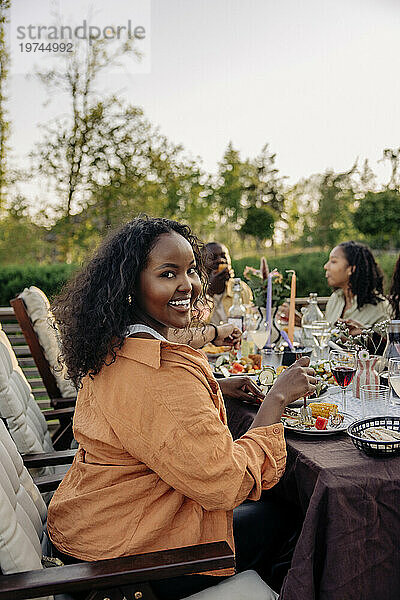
[(48, 483), (58, 412), (116, 571), (63, 401), (45, 459)]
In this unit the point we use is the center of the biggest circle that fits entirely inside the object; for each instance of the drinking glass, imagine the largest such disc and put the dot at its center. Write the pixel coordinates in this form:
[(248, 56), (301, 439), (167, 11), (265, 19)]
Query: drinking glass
[(259, 334), (343, 367), (321, 331), (374, 400), (271, 358), (394, 380)]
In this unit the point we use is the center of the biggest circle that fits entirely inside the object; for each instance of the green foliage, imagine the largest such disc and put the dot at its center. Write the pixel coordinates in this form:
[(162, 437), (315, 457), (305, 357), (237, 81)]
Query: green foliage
[(309, 269), (259, 222), (244, 187), (378, 217), (333, 218), (308, 266), (259, 286), (21, 241), (49, 278)]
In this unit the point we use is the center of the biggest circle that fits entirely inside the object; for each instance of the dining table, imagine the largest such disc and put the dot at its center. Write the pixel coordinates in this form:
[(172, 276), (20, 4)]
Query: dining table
[(349, 543)]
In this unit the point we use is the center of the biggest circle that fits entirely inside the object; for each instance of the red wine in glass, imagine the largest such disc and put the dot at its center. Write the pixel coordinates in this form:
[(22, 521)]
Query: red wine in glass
[(343, 375)]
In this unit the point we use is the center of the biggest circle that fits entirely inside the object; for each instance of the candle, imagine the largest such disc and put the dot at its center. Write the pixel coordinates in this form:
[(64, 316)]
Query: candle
[(268, 316), (292, 307), (286, 338)]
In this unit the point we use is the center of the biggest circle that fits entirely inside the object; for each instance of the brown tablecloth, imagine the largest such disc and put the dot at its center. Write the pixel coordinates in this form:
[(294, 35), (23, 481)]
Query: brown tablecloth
[(349, 546)]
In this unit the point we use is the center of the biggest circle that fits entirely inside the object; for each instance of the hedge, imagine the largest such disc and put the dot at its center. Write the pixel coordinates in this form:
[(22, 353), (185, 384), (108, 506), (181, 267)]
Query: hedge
[(49, 278), (309, 269)]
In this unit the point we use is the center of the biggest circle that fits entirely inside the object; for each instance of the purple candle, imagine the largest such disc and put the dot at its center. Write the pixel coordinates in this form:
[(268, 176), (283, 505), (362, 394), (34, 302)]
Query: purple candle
[(287, 340), (268, 316)]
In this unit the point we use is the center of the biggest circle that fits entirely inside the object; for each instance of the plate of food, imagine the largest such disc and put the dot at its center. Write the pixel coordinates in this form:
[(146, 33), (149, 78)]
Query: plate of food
[(212, 350), (325, 420), (228, 365)]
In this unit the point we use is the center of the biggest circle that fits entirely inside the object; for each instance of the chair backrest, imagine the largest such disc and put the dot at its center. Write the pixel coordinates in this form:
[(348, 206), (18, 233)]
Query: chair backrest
[(32, 309), (22, 512), (18, 407)]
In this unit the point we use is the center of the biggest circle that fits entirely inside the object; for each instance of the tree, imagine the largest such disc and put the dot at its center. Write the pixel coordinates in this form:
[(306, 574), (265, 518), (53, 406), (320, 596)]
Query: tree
[(229, 189), (4, 123), (367, 178), (21, 240), (393, 156), (72, 146), (259, 224), (335, 201), (378, 217), (265, 187), (242, 184)]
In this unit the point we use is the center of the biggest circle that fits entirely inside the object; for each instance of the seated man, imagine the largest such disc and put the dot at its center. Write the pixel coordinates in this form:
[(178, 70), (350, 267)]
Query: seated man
[(220, 282)]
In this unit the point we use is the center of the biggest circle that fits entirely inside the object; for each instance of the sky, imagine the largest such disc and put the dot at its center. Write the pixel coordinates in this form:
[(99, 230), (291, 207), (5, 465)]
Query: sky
[(318, 80)]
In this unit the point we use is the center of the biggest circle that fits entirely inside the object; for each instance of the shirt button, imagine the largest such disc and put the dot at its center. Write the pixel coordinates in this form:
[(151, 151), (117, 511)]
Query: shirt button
[(276, 430)]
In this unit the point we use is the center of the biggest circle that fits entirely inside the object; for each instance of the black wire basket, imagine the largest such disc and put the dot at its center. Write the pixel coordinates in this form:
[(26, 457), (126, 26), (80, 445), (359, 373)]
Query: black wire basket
[(375, 447)]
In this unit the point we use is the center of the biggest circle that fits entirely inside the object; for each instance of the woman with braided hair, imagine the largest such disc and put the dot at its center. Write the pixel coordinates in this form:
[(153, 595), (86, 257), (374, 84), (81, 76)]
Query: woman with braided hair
[(358, 281)]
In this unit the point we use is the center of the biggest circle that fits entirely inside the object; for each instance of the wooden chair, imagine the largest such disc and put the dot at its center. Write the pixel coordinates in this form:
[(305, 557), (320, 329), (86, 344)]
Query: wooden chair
[(26, 422), (46, 370)]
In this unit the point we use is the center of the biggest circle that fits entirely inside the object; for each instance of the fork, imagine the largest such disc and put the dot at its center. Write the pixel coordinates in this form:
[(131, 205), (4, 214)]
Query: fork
[(305, 413)]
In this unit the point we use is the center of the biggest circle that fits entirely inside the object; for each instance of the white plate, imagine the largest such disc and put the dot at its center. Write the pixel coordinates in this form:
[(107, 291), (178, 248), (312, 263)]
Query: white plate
[(348, 419)]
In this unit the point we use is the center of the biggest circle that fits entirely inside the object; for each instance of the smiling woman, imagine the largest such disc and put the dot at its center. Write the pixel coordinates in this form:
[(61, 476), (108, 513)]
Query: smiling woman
[(157, 467)]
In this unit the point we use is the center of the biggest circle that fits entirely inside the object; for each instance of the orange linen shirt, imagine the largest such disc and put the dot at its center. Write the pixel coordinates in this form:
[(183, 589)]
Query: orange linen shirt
[(157, 467)]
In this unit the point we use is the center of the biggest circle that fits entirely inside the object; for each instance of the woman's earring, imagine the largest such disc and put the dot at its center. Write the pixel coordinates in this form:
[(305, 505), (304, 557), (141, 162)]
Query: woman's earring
[(130, 299)]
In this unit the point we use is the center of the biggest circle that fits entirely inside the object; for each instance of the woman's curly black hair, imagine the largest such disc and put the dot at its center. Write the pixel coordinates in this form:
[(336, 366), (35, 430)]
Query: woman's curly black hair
[(366, 280), (394, 293), (93, 310)]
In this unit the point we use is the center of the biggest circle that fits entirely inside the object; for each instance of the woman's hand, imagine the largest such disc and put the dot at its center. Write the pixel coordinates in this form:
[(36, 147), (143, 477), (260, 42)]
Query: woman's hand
[(293, 383), (228, 335), (354, 327), (242, 387), (296, 381)]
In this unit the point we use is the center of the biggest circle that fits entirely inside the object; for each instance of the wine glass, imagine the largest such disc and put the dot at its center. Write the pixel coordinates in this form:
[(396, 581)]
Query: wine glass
[(343, 367), (394, 380), (320, 331)]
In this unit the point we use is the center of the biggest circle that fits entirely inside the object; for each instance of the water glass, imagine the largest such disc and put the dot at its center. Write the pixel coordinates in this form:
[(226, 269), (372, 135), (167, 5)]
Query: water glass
[(271, 358), (394, 380), (374, 400)]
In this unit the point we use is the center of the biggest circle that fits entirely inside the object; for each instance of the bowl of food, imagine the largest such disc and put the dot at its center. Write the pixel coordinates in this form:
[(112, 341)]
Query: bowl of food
[(376, 436), (289, 356)]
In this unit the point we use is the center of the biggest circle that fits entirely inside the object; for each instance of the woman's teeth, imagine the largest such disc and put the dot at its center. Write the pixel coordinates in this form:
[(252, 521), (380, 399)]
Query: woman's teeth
[(185, 303)]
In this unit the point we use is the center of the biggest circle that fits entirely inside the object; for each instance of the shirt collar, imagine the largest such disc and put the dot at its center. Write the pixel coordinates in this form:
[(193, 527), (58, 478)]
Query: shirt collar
[(148, 351), (340, 294)]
